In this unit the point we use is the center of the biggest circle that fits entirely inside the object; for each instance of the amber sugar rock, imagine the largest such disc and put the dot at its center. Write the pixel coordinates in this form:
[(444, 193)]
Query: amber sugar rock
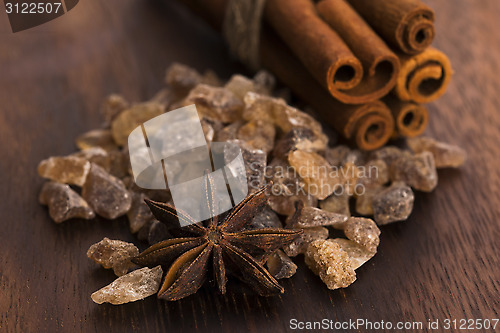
[(333, 265), (300, 244), (132, 287), (316, 172), (106, 194), (315, 217), (64, 203), (445, 155), (113, 254), (68, 169), (393, 204), (358, 254), (364, 232), (418, 171), (280, 265)]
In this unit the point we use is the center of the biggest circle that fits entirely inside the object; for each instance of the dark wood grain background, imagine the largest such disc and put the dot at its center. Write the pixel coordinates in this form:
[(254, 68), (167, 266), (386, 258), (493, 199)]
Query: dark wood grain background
[(442, 263)]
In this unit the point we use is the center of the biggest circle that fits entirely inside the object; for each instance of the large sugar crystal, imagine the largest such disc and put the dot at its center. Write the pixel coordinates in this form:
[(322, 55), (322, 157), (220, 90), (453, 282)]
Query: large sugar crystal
[(358, 254), (316, 172), (132, 287), (336, 203), (157, 232), (299, 245), (101, 138), (139, 213), (64, 203), (215, 103), (333, 265), (119, 163), (267, 218), (260, 107), (255, 161), (113, 254), (299, 138), (276, 111), (364, 200), (364, 232), (229, 132), (287, 188), (96, 155), (373, 173), (315, 217), (388, 154), (354, 156), (112, 107), (106, 194), (264, 82), (240, 85), (211, 78), (68, 169), (280, 265), (418, 171), (182, 78), (336, 156), (133, 117), (209, 128), (288, 118), (445, 155), (393, 204), (258, 134)]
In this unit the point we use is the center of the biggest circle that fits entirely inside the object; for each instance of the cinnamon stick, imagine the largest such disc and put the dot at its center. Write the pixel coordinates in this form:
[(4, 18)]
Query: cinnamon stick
[(353, 78), (407, 24), (380, 64), (368, 125), (319, 48), (423, 78), (410, 119)]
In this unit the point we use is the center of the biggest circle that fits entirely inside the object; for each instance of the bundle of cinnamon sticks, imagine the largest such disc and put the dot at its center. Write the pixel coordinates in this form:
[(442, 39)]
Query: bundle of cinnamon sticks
[(364, 65)]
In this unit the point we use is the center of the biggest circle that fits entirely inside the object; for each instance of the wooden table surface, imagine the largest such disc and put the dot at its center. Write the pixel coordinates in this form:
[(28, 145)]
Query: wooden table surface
[(442, 263)]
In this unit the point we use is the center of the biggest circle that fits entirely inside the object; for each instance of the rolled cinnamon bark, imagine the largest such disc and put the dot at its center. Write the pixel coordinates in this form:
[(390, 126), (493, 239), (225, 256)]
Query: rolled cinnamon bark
[(368, 125), (424, 77), (354, 78), (380, 64), (410, 119), (406, 24)]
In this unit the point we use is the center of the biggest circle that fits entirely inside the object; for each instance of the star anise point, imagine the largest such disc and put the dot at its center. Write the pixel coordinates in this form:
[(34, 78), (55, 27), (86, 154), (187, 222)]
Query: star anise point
[(226, 244)]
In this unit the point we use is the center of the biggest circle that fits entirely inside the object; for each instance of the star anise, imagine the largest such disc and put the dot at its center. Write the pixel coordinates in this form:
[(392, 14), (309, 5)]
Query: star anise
[(221, 241)]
